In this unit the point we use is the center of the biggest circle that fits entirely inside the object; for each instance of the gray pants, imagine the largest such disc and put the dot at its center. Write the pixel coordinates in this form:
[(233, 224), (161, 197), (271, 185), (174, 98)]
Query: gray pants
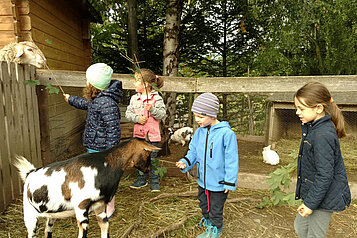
[(216, 205), (313, 226)]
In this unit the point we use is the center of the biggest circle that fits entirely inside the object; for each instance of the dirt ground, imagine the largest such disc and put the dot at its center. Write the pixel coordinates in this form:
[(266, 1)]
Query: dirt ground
[(241, 217)]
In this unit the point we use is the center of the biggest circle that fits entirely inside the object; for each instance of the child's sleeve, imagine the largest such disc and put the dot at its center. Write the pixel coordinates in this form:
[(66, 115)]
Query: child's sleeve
[(78, 102), (231, 161), (129, 113), (158, 111), (110, 114), (190, 159)]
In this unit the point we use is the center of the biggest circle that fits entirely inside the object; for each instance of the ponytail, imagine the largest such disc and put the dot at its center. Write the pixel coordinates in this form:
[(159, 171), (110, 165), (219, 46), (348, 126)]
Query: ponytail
[(337, 119), (159, 81)]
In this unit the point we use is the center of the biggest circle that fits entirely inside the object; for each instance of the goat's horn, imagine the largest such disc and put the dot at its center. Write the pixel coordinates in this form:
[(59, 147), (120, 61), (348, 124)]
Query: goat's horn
[(147, 136)]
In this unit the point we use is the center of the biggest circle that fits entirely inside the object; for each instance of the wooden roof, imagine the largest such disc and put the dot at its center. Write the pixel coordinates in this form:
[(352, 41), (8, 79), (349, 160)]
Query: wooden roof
[(343, 98)]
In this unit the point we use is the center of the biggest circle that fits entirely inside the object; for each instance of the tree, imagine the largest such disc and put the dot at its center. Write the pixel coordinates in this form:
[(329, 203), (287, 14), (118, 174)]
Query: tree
[(170, 53), (132, 30)]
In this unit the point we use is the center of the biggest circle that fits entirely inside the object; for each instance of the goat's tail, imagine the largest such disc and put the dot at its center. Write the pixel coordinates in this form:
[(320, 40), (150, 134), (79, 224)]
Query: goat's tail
[(24, 166)]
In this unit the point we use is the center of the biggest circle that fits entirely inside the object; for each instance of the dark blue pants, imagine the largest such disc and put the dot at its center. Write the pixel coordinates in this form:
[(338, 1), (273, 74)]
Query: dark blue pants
[(216, 205)]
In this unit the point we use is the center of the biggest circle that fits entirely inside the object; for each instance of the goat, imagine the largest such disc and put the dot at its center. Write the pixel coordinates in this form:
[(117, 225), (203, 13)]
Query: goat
[(24, 52), (182, 135), (79, 185)]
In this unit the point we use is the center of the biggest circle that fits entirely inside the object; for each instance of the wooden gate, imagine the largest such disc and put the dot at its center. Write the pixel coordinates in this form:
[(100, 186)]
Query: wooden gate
[(19, 127)]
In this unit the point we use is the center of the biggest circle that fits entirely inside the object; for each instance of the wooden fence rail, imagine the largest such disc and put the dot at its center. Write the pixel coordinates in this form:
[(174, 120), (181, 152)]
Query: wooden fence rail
[(19, 127), (272, 84)]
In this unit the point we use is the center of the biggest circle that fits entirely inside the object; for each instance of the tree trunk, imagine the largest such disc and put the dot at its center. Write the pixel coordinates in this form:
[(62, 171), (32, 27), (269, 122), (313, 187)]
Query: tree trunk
[(170, 60), (132, 30), (170, 53)]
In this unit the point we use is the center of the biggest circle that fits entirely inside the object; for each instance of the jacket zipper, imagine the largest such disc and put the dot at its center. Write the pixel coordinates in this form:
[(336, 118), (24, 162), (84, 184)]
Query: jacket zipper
[(204, 176)]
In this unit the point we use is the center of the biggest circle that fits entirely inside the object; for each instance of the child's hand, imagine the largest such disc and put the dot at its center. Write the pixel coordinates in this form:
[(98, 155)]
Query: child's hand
[(148, 106), (66, 96), (180, 165), (304, 211), (226, 191), (142, 120)]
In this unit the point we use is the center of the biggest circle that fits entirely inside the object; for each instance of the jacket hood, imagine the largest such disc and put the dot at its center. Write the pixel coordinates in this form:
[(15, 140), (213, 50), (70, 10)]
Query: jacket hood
[(115, 91), (220, 125)]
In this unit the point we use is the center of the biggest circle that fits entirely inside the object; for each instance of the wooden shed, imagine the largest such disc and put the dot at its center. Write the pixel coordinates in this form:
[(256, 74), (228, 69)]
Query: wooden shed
[(61, 30), (282, 122)]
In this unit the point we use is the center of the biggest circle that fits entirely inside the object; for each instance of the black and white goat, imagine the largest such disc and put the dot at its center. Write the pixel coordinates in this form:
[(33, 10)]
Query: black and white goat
[(79, 185), (182, 135)]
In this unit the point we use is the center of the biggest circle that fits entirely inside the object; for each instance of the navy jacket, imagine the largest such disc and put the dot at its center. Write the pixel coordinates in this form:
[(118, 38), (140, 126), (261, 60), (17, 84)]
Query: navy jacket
[(102, 130), (322, 181)]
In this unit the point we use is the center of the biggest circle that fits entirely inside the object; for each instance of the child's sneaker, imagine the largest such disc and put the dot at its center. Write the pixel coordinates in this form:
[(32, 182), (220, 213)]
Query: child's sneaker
[(206, 223), (214, 232), (140, 182)]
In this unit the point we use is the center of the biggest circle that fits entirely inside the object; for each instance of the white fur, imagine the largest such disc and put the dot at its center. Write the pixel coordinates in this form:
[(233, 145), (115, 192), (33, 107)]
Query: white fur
[(182, 135), (270, 156), (24, 52)]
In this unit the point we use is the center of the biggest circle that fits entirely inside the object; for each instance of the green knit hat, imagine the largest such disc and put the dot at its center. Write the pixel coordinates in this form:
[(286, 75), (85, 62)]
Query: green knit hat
[(99, 75)]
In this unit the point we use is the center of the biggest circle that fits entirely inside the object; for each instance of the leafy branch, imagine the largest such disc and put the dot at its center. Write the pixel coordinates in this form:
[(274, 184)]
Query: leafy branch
[(279, 180)]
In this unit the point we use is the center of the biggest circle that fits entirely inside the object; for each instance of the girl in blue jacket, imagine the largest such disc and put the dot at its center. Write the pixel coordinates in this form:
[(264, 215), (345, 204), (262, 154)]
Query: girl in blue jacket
[(214, 151), (101, 98), (321, 175)]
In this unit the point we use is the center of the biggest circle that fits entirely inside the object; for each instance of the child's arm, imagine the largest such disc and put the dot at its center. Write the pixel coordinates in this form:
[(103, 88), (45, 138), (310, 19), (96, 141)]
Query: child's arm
[(186, 163), (158, 111), (324, 156), (231, 161), (129, 113), (77, 102)]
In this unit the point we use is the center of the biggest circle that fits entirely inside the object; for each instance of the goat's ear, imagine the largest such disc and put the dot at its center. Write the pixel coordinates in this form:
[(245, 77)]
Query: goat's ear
[(149, 147), (19, 50)]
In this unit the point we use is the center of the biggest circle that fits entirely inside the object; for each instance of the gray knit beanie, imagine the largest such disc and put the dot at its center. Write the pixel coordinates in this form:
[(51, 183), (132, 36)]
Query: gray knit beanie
[(206, 104)]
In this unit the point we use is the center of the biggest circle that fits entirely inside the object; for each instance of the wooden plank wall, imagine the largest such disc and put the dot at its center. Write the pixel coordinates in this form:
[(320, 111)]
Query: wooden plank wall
[(6, 23), (19, 126), (66, 124), (57, 28)]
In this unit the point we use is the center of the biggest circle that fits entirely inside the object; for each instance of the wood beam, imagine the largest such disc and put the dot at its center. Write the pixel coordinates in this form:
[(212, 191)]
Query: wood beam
[(335, 83)]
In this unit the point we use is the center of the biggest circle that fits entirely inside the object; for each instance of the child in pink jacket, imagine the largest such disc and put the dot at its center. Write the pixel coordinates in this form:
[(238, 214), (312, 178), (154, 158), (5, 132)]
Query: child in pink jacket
[(145, 110)]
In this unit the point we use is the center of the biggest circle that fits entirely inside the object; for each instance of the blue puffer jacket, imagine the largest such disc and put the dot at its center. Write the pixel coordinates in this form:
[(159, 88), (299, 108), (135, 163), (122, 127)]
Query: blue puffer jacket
[(102, 130), (214, 150), (322, 182)]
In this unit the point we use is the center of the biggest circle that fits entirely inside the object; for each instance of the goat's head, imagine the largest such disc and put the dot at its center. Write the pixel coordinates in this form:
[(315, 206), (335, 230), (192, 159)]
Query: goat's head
[(28, 53), (137, 155)]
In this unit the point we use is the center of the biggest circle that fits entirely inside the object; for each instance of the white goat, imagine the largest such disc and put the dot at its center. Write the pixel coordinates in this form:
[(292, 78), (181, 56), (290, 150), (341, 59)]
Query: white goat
[(182, 135), (24, 52), (79, 185), (270, 156)]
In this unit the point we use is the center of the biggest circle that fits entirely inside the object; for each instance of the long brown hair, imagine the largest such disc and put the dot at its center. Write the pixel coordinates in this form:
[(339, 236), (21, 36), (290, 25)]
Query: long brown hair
[(315, 93), (150, 77), (90, 92)]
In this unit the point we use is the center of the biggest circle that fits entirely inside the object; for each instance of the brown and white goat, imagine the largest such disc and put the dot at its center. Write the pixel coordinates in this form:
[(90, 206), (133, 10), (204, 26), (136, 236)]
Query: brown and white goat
[(79, 185)]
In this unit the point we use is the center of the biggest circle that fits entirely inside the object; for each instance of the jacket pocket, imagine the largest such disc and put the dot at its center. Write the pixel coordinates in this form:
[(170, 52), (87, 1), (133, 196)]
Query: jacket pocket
[(211, 150)]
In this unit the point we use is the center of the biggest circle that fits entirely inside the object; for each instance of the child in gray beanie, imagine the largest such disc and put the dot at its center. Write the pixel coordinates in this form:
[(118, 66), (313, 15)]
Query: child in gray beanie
[(214, 150)]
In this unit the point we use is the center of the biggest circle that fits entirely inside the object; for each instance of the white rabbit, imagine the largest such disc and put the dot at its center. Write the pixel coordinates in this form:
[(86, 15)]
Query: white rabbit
[(270, 156)]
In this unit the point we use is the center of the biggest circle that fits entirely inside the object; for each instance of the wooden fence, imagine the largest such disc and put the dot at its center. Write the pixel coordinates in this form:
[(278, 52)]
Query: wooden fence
[(19, 127), (21, 133)]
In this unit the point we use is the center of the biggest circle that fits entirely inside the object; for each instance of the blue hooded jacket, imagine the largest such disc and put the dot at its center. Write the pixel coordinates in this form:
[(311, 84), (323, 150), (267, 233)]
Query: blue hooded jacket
[(214, 150), (102, 130)]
